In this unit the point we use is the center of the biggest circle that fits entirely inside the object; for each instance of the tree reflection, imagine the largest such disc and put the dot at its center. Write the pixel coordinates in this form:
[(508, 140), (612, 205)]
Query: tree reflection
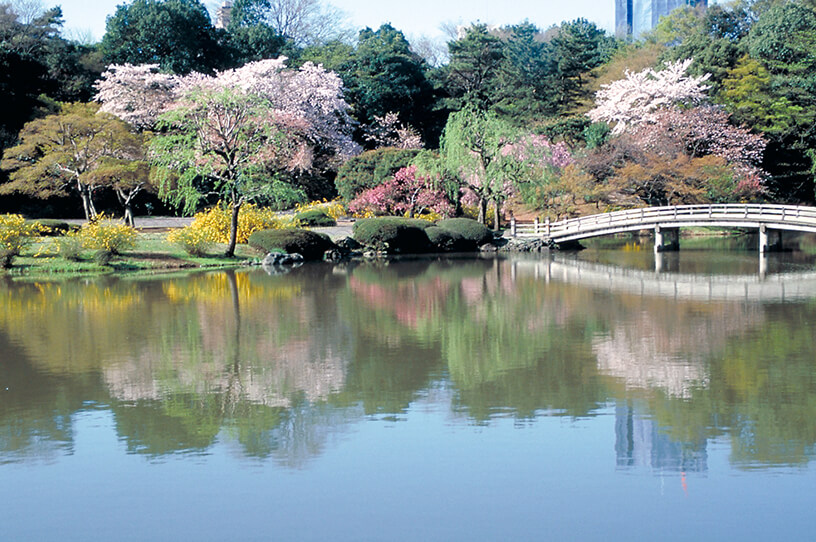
[(279, 365)]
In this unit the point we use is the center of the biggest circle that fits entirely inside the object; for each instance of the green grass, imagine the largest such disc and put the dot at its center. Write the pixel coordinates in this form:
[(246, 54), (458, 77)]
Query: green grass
[(152, 253)]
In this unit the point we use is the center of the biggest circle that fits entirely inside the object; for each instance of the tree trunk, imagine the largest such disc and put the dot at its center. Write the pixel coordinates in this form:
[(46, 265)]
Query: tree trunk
[(87, 202), (129, 215), (496, 223), (482, 210), (236, 207)]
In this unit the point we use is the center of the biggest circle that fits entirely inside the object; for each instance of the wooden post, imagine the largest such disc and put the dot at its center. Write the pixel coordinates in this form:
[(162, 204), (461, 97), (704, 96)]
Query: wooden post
[(512, 226), (536, 225)]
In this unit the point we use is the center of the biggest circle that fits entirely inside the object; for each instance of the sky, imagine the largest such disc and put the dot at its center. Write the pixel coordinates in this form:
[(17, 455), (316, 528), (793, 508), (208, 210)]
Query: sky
[(415, 17)]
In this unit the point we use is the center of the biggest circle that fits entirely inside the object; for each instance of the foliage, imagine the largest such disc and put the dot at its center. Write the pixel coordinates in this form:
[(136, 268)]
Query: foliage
[(473, 150), (335, 209), (315, 218), (214, 223), (59, 154), (385, 76), (196, 241), (579, 46), (370, 169), (405, 194), (311, 245), (393, 234), (112, 239), (471, 75), (176, 34), (15, 234), (469, 230)]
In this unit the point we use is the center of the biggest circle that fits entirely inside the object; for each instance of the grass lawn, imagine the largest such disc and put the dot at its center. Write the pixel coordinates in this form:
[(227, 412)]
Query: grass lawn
[(151, 253)]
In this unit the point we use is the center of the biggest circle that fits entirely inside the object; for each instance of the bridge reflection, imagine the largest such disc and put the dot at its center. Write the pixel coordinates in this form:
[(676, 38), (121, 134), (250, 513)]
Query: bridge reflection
[(761, 286)]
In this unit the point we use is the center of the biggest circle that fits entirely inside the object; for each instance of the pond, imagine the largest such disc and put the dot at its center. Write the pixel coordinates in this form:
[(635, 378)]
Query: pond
[(595, 396)]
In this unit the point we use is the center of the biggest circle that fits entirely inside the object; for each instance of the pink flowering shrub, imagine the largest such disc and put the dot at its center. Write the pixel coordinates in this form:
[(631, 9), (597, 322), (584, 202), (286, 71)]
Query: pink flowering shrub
[(405, 194)]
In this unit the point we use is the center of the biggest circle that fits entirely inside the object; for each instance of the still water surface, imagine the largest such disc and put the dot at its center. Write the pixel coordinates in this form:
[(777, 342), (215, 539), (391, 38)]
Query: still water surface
[(572, 397)]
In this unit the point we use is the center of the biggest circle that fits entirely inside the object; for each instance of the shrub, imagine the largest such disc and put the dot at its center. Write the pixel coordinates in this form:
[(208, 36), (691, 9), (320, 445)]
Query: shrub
[(15, 234), (406, 193), (194, 241), (315, 218), (333, 208), (55, 228), (470, 231), (445, 240), (393, 234), (369, 169), (214, 223), (69, 246), (102, 235), (311, 245)]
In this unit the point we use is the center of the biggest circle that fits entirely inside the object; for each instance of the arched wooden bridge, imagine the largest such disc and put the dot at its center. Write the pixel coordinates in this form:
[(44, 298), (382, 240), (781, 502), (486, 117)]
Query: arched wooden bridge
[(666, 221)]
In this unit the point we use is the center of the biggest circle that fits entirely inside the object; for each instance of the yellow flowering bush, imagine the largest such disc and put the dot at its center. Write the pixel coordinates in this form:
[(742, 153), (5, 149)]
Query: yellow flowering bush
[(101, 234), (333, 208), (213, 226), (195, 241), (15, 234)]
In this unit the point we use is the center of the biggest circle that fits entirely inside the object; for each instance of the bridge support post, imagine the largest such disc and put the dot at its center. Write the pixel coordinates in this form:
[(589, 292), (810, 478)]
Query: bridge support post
[(512, 226), (666, 239), (769, 240)]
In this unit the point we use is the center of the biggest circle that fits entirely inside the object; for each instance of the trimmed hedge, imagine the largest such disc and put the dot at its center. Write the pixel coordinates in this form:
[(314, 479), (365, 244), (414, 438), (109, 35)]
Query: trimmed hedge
[(315, 218), (446, 240), (311, 245), (393, 234), (370, 169), (472, 233)]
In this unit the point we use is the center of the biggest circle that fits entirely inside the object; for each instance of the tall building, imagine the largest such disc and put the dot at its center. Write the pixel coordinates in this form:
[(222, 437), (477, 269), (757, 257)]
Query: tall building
[(222, 16), (634, 17)]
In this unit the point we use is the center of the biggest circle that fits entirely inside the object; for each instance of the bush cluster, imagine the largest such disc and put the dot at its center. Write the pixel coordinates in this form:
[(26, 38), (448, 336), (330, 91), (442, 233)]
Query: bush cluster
[(108, 238), (311, 245), (215, 222), (15, 234), (213, 226), (393, 234), (194, 241), (472, 232), (396, 234), (333, 208), (315, 218)]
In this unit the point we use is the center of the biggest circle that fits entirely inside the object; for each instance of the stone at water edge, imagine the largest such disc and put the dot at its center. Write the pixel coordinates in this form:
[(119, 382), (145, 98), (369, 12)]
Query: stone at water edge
[(279, 258)]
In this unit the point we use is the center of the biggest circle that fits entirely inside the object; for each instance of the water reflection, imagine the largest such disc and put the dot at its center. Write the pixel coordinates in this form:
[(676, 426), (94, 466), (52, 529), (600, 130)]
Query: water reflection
[(281, 366)]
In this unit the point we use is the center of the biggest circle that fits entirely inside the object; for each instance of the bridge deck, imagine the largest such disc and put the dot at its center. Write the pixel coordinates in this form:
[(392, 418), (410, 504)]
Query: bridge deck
[(778, 217)]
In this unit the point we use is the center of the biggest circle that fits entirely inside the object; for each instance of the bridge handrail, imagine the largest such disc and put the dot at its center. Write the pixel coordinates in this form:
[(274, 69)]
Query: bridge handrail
[(647, 216)]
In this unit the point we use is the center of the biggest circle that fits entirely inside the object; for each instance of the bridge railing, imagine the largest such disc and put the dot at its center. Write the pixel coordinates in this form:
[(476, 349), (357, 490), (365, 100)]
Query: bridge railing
[(651, 216)]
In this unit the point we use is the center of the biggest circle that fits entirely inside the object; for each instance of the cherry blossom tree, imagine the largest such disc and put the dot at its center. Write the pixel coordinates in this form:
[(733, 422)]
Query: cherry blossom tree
[(137, 94), (405, 194), (225, 142), (140, 94), (639, 97)]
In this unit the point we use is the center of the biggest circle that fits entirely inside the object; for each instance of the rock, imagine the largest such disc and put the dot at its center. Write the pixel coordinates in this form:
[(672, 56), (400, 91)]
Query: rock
[(280, 258), (335, 255), (348, 243), (516, 244), (488, 247)]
